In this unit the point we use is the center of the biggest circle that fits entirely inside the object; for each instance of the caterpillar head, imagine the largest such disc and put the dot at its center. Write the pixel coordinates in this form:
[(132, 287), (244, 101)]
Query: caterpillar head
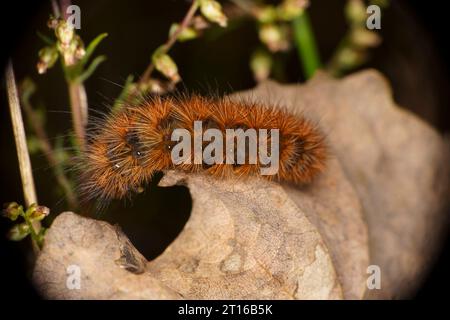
[(112, 165)]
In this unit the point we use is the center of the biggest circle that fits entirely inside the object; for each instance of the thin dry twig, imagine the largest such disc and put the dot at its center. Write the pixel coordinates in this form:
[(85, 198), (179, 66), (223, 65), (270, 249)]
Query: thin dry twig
[(49, 153), (246, 7), (171, 40), (20, 138), (26, 172)]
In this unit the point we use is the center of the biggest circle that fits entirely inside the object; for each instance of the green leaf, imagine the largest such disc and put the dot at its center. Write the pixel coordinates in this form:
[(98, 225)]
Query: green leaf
[(123, 94), (91, 48), (186, 34), (90, 70), (306, 45), (165, 64)]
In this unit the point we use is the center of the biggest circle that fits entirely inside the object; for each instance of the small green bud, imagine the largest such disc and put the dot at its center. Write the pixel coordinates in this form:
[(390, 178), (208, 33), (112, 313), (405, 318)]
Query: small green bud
[(12, 210), (39, 213), (47, 58), (18, 232), (64, 32), (212, 10), (185, 35), (52, 22), (164, 64), (79, 50), (362, 37), (274, 37), (355, 11), (288, 10), (261, 64), (30, 210), (72, 51), (350, 58), (267, 14)]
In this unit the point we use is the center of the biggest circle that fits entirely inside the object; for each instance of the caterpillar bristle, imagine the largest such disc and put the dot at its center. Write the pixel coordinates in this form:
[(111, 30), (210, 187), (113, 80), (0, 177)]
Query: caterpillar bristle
[(127, 147)]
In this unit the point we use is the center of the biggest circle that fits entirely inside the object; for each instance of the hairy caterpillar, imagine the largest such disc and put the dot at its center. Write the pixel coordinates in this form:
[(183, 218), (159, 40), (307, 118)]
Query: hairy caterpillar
[(129, 146)]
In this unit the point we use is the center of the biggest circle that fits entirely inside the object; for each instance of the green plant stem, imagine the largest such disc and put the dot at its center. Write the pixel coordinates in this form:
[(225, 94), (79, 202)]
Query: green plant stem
[(77, 92), (79, 107), (49, 153), (306, 45), (33, 232)]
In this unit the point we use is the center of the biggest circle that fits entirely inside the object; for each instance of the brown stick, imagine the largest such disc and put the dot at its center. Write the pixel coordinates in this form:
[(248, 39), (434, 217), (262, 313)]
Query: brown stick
[(26, 173), (78, 105), (171, 40), (20, 138)]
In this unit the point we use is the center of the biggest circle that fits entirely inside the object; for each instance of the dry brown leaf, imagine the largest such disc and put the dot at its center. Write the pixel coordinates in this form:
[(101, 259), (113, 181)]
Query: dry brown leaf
[(382, 195)]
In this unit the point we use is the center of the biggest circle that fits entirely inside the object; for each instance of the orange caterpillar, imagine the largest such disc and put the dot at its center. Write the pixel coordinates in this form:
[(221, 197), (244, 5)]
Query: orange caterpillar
[(129, 146)]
